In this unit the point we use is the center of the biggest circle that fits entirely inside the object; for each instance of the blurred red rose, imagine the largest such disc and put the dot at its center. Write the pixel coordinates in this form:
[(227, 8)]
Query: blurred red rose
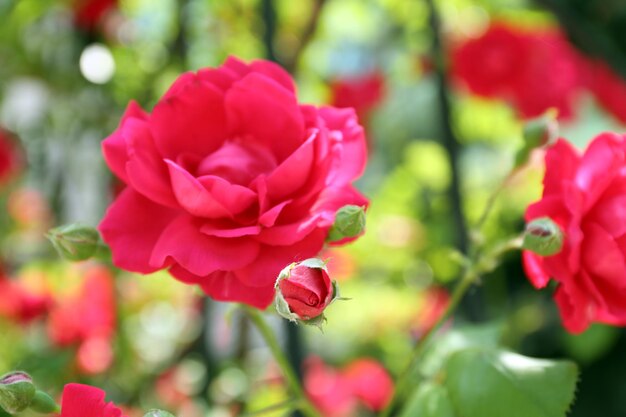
[(553, 76), (608, 88), (85, 401), (329, 391), (306, 290), (534, 71), (336, 393), (433, 305), (11, 157), (586, 196), (370, 383), (89, 13), (229, 180), (87, 319), (492, 64), (21, 304), (362, 93)]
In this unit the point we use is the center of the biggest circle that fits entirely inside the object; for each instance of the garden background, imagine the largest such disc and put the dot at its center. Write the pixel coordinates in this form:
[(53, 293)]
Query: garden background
[(68, 70)]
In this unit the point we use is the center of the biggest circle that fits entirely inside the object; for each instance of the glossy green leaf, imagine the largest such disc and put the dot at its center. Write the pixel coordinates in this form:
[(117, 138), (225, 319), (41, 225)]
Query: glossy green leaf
[(429, 400), (492, 383)]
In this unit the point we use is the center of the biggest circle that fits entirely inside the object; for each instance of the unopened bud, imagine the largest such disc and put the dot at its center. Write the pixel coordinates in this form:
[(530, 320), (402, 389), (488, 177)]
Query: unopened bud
[(158, 413), (543, 237), (349, 222), (44, 404), (539, 132), (74, 242), (304, 290), (16, 392)]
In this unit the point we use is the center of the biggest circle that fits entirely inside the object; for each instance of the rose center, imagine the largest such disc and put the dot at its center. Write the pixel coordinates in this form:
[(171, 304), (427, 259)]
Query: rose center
[(238, 162), (312, 300)]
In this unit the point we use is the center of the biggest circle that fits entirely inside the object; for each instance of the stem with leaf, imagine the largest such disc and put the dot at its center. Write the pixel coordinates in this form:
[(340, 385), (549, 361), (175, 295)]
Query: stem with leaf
[(291, 378)]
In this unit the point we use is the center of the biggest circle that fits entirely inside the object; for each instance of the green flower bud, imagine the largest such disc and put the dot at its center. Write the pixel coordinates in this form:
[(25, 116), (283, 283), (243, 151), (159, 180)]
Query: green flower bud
[(74, 242), (539, 132), (44, 404), (16, 392), (158, 413), (543, 237), (349, 222)]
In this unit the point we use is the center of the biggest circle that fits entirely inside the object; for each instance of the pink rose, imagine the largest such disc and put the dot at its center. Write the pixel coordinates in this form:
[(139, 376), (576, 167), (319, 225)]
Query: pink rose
[(339, 392), (229, 180), (370, 383), (85, 401), (585, 195)]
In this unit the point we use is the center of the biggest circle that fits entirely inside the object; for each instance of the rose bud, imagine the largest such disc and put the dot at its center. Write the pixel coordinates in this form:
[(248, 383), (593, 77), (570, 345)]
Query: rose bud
[(539, 132), (349, 223), (44, 404), (543, 237), (16, 392), (304, 290), (74, 242), (158, 413)]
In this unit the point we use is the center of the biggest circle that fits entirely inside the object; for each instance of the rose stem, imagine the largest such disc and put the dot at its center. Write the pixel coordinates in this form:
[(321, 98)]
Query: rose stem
[(289, 405), (469, 277), (288, 372)]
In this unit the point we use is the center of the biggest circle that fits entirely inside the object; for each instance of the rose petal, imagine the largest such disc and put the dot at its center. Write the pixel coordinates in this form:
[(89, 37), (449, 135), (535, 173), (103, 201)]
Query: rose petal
[(293, 290), (191, 121), (598, 166), (304, 310), (224, 286), (275, 72), (212, 230), (209, 196), (85, 401), (574, 309), (348, 145), (114, 147), (147, 172), (293, 172), (272, 259), (561, 162), (533, 266), (602, 258), (268, 219), (261, 108), (131, 227), (201, 254)]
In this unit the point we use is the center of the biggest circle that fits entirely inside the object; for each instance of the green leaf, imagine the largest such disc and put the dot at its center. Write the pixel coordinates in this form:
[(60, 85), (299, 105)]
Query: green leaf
[(492, 383), (454, 340), (430, 400)]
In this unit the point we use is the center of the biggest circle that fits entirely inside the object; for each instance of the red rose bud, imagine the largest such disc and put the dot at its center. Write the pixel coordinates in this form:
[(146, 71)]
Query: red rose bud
[(539, 132), (304, 290), (74, 242), (349, 223), (158, 413), (543, 237), (16, 392)]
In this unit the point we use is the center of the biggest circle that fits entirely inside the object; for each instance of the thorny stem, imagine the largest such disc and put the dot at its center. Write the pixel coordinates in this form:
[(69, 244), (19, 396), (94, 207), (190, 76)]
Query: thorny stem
[(288, 372)]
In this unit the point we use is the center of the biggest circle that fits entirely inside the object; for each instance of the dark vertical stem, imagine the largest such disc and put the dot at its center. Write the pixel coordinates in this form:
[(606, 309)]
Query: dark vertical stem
[(180, 44), (203, 347), (268, 13), (472, 303), (294, 345), (306, 36)]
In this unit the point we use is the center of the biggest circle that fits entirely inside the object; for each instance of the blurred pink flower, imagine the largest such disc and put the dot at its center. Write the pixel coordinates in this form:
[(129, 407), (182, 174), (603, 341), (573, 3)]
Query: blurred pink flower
[(87, 320)]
